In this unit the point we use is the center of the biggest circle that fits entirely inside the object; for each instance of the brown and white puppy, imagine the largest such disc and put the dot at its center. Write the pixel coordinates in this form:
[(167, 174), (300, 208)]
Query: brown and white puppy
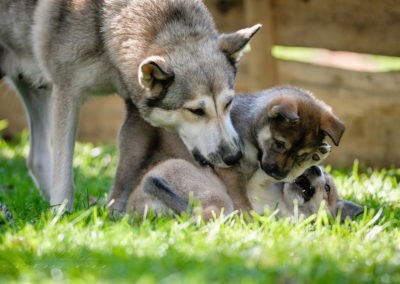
[(287, 123), (304, 197), (282, 128), (284, 131)]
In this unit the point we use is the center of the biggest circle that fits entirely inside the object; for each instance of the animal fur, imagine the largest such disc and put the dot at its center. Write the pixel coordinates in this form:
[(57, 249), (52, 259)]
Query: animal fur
[(283, 131), (163, 57), (310, 192), (171, 186)]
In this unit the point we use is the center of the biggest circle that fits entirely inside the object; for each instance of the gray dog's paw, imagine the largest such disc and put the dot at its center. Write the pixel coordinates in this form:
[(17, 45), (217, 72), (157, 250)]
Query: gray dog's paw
[(5, 215), (323, 151)]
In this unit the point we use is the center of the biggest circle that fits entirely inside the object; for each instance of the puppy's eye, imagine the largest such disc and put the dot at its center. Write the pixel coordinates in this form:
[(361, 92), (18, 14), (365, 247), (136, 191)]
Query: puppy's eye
[(327, 188), (197, 111), (280, 145)]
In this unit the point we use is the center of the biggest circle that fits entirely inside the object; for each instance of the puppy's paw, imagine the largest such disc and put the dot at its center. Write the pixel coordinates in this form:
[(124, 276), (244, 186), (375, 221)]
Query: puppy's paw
[(5, 215), (322, 152)]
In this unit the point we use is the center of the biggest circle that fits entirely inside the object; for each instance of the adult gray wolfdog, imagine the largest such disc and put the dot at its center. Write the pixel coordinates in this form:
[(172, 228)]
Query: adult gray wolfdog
[(164, 58)]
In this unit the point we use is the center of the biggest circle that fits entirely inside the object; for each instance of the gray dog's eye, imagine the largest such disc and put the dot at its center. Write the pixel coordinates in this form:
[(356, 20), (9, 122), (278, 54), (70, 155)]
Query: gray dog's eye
[(197, 111), (327, 188)]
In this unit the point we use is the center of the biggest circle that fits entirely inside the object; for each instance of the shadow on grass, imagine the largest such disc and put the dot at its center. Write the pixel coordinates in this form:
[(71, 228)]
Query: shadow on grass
[(119, 266)]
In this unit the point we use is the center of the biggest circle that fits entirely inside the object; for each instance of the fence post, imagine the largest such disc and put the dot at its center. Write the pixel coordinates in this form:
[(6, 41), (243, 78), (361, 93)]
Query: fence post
[(262, 66)]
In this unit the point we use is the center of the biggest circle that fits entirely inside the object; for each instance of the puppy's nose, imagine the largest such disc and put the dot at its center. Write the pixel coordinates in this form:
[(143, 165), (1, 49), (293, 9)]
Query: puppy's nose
[(316, 170), (233, 158), (273, 171)]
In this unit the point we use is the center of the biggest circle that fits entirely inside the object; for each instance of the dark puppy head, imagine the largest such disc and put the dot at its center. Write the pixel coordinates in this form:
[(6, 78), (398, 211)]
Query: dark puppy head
[(291, 131), (316, 186)]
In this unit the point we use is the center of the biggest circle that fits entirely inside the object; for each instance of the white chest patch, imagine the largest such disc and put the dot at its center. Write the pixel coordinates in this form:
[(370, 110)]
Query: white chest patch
[(249, 162), (259, 193)]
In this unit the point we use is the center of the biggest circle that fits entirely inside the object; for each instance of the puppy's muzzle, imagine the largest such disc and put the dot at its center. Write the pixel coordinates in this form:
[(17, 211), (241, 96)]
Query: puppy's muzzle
[(273, 171), (303, 181), (314, 171)]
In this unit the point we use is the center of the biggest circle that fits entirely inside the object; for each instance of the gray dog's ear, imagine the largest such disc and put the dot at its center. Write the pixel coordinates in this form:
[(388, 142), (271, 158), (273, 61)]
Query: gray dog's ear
[(286, 111), (152, 70), (348, 209), (234, 44), (333, 127)]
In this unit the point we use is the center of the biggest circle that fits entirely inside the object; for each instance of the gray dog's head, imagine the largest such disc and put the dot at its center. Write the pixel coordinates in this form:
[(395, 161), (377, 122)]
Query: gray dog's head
[(190, 89)]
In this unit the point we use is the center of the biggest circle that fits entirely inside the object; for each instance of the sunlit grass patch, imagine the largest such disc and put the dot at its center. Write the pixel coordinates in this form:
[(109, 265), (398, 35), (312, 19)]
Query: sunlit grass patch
[(89, 246)]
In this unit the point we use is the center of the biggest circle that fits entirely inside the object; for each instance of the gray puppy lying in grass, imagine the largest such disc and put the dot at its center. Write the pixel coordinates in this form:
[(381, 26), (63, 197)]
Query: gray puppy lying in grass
[(186, 184), (310, 192)]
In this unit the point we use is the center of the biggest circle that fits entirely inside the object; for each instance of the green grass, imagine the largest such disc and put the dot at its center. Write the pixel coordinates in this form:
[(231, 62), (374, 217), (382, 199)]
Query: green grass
[(88, 246)]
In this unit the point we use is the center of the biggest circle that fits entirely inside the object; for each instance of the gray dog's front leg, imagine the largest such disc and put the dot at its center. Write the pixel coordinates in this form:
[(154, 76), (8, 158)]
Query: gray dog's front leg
[(64, 124), (37, 103)]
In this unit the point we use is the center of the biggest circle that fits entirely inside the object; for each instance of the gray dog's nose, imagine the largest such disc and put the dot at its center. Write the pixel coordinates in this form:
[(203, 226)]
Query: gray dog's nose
[(232, 159)]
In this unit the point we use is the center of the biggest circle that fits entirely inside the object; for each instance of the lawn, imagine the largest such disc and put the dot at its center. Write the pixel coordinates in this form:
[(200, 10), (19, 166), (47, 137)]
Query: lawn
[(88, 246)]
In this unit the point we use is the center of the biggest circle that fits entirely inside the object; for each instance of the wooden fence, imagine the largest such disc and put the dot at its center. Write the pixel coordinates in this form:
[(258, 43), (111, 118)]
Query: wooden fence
[(368, 102)]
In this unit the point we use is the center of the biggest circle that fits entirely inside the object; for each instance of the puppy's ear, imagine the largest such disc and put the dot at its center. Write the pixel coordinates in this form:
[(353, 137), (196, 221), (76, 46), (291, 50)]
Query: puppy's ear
[(154, 70), (234, 44), (348, 209), (286, 111), (332, 126)]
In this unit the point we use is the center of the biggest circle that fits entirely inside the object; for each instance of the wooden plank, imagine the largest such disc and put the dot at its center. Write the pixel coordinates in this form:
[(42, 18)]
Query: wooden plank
[(257, 69), (11, 110), (100, 117), (368, 103), (262, 66), (360, 82), (228, 15), (352, 25)]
